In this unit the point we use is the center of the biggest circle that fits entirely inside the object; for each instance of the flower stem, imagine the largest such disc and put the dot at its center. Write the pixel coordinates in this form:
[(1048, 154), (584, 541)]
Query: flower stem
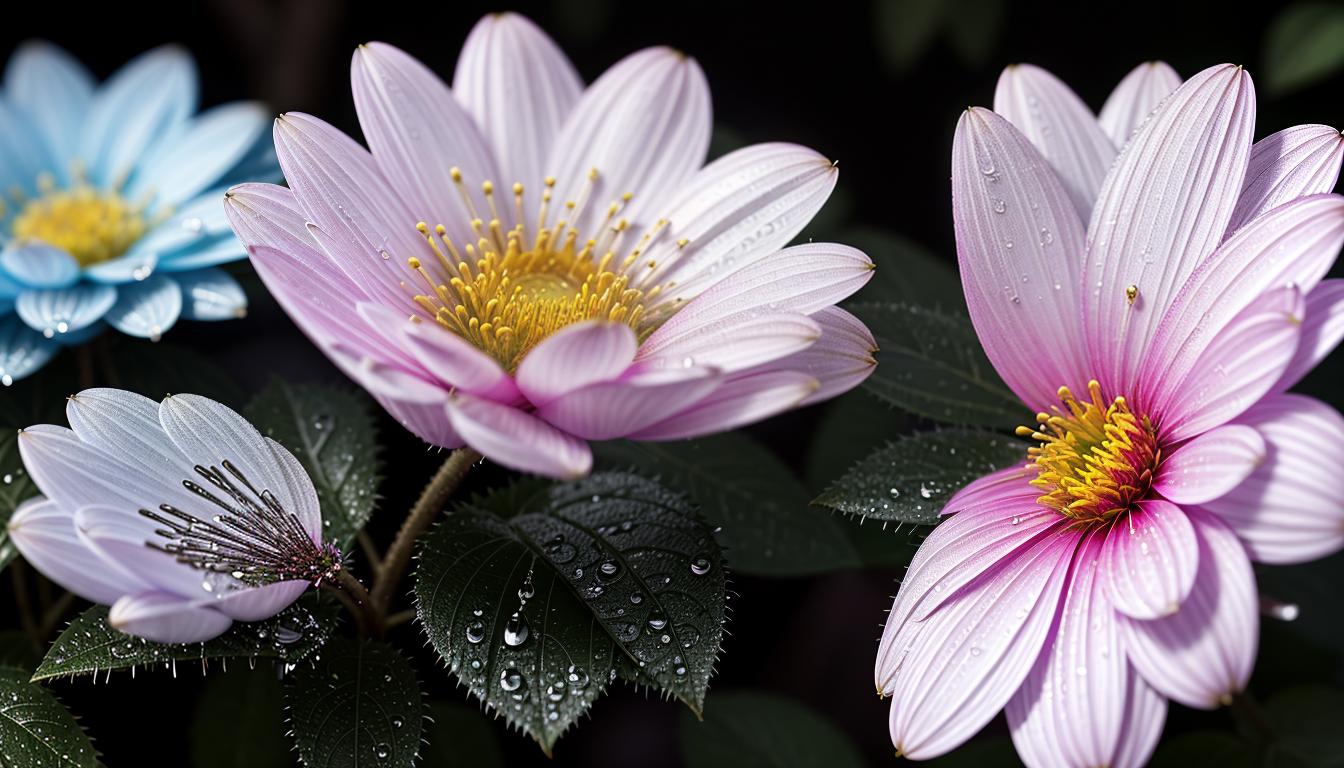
[(398, 556)]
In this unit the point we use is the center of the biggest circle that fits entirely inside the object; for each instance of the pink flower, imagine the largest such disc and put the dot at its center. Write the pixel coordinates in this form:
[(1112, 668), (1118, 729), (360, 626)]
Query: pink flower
[(522, 265), (1111, 573)]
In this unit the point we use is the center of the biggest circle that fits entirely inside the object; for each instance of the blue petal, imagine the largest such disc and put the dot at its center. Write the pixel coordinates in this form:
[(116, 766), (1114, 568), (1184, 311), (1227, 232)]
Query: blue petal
[(22, 350), (260, 165), (126, 269), (211, 294), (55, 90), (38, 265), (75, 338), (9, 289), (64, 310), (210, 145), (147, 309), (142, 103), (223, 250), (23, 154), (196, 222)]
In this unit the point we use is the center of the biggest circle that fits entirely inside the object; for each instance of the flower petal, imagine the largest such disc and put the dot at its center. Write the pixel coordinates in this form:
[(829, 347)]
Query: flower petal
[(22, 350), (38, 265), (516, 439), (126, 426), (257, 603), (76, 475), (198, 157), (742, 399), (1135, 98), (840, 359), (166, 618), (455, 361), (574, 357), (65, 310), (1202, 655), (1166, 202), (197, 221), (24, 156), (147, 309), (142, 103), (1061, 126), (1018, 240), (429, 422), (1295, 162), (1291, 509), (644, 126), (54, 89), (44, 534), (1211, 465), (1151, 557), (519, 86), (211, 294), (610, 409), (1322, 330), (122, 536), (1145, 714)]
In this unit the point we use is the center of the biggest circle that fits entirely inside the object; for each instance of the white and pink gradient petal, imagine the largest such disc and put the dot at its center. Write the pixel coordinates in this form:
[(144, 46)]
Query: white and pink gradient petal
[(166, 618), (1019, 242), (1291, 508), (1145, 715), (45, 534), (611, 409), (741, 399), (418, 133), (970, 656), (840, 359), (1070, 709), (516, 439), (454, 361), (737, 343), (1061, 126), (574, 357), (257, 603), (1150, 559), (644, 126), (1202, 655), (520, 87), (54, 456), (383, 378), (122, 536), (427, 421), (1322, 330), (1295, 162), (1210, 465), (1135, 98), (1162, 210)]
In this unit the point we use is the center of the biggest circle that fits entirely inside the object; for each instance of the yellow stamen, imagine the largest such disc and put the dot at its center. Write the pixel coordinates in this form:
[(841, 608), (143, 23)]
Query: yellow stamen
[(91, 225)]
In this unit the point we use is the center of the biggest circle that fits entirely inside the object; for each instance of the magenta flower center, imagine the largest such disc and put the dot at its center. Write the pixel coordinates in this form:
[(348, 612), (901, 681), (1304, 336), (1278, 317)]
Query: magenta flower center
[(510, 289), (1095, 460)]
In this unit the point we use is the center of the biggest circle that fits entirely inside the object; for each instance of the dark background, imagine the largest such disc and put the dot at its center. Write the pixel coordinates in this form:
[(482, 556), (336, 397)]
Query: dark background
[(828, 75)]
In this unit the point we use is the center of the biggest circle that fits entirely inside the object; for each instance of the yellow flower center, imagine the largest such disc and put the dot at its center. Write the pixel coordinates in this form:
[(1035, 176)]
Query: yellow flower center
[(509, 290), (1095, 460), (91, 225)]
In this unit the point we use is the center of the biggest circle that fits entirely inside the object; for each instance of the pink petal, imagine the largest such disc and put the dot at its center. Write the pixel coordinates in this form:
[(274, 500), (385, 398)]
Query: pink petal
[(519, 86), (574, 357), (1061, 126), (742, 399), (1151, 556), (45, 535), (166, 618), (369, 231), (438, 355), (1294, 244), (1295, 162), (1322, 330), (1070, 709), (429, 422), (418, 133), (736, 211), (1135, 98), (971, 655), (1162, 211), (1291, 509), (257, 603), (840, 360), (612, 409), (742, 341), (1003, 519), (386, 379), (988, 488), (1240, 365), (1203, 654), (1145, 714), (518, 440), (644, 125), (1018, 243), (1210, 465)]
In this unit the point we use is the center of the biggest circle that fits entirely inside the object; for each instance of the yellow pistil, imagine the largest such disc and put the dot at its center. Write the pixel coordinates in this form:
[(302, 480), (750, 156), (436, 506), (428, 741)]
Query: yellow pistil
[(1095, 460), (510, 289), (91, 225)]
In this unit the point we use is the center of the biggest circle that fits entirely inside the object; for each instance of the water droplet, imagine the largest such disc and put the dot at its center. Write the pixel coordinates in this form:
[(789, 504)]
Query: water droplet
[(999, 205), (382, 751), (577, 677), (510, 679), (657, 622), (700, 566), (476, 631), (516, 630)]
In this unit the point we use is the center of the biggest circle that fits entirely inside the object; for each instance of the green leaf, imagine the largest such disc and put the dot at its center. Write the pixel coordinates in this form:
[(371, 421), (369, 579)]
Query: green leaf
[(331, 432), (18, 651), (930, 363), (460, 737), (89, 645), (1305, 722), (768, 529), (15, 488), (905, 30), (36, 730), (750, 730), (356, 705), (239, 722), (1304, 45), (158, 369), (910, 479), (535, 611)]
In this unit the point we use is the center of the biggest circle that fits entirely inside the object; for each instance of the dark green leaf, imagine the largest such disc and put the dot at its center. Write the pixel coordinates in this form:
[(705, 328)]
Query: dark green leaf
[(1305, 722), (460, 737), (907, 272), (1304, 45), (930, 363), (240, 722), (356, 705), (757, 730), (534, 612), (15, 487), (18, 651), (910, 479), (158, 369), (36, 730), (905, 29), (330, 431), (89, 645), (1203, 749), (768, 529)]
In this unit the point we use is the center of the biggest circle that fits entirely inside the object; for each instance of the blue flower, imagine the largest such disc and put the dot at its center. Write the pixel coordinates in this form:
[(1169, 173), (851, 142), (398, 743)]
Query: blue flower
[(111, 201)]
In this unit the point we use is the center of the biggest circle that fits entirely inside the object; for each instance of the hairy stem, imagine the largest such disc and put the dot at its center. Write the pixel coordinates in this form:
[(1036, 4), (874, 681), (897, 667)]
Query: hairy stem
[(427, 507)]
